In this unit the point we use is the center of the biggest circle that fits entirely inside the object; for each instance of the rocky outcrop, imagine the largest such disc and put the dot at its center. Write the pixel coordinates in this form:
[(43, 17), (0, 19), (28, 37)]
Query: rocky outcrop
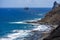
[(56, 5), (52, 17), (54, 35)]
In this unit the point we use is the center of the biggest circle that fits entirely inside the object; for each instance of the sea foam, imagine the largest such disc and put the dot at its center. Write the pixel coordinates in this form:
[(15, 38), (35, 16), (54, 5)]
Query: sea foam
[(15, 34), (25, 21), (23, 33)]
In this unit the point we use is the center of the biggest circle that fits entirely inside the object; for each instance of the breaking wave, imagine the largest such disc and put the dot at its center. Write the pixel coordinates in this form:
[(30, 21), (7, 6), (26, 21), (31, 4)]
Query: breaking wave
[(16, 34), (21, 34), (24, 21)]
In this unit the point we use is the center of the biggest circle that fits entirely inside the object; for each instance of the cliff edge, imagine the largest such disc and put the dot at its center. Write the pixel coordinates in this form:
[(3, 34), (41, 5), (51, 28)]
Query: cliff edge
[(52, 17)]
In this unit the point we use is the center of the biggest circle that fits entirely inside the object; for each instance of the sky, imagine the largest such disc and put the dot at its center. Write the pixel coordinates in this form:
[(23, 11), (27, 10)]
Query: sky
[(27, 3)]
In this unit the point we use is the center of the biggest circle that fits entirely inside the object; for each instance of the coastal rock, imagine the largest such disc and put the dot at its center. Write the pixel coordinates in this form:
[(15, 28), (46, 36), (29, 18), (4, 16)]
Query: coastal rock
[(36, 35), (54, 35), (56, 5), (53, 16)]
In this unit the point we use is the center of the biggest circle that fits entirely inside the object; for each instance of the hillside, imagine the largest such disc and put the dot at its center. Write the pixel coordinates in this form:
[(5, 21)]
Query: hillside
[(53, 16)]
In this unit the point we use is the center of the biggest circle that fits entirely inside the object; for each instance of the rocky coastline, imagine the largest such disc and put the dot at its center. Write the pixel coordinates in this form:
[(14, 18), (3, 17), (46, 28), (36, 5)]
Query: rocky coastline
[(52, 18)]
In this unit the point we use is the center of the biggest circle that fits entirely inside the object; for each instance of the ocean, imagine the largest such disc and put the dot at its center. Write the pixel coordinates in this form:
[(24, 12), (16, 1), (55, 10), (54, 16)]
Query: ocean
[(13, 31)]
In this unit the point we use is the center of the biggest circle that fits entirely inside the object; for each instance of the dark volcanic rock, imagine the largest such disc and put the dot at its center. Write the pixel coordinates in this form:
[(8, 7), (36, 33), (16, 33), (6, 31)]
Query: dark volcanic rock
[(55, 34), (56, 5)]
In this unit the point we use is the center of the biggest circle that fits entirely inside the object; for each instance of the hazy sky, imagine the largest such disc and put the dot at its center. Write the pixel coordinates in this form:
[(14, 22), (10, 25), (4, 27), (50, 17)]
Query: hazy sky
[(27, 3)]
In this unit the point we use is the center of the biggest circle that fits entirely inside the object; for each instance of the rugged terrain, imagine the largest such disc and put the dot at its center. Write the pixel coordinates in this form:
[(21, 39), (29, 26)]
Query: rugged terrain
[(51, 18)]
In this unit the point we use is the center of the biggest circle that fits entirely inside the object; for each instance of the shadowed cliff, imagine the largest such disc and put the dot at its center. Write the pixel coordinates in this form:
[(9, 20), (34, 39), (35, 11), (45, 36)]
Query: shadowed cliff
[(54, 35)]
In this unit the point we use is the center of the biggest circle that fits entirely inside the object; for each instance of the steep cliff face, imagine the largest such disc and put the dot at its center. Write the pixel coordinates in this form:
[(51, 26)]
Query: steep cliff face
[(52, 17), (56, 5), (54, 35)]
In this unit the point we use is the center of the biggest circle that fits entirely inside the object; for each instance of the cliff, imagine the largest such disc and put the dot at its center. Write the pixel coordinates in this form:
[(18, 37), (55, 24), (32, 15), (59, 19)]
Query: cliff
[(52, 17)]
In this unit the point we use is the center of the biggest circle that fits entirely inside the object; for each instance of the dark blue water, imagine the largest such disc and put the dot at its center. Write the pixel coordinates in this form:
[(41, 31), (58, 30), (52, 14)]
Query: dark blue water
[(19, 14)]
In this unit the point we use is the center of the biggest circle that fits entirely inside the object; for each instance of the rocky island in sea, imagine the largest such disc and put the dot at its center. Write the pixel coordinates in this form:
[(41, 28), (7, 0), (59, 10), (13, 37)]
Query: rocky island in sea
[(51, 18)]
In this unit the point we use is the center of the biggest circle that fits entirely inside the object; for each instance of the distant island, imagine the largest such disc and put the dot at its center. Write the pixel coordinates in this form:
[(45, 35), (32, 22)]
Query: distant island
[(26, 8)]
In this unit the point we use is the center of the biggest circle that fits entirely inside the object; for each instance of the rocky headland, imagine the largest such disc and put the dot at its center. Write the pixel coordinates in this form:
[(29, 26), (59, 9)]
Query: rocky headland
[(54, 19), (51, 18)]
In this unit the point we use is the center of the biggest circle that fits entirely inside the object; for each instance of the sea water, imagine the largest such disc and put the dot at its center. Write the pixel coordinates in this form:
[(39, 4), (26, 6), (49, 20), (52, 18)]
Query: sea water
[(19, 30)]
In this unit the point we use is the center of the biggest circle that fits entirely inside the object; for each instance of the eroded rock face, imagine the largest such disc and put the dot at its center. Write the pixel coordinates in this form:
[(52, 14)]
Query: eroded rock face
[(55, 34), (52, 17), (56, 5)]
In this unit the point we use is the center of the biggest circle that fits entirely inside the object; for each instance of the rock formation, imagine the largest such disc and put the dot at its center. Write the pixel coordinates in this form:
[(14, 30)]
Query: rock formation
[(56, 5), (54, 35), (52, 17)]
